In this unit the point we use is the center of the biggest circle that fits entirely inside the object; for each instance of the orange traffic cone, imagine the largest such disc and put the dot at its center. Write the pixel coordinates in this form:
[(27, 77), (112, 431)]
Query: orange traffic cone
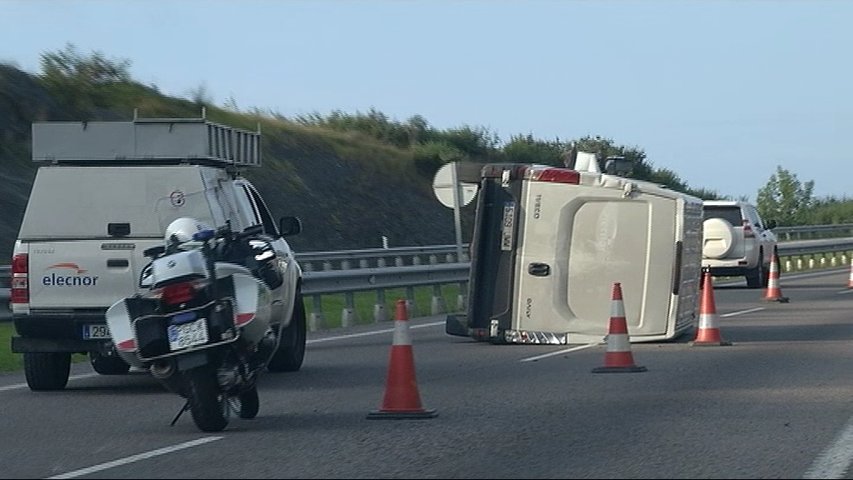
[(401, 399), (774, 293), (709, 331), (618, 357)]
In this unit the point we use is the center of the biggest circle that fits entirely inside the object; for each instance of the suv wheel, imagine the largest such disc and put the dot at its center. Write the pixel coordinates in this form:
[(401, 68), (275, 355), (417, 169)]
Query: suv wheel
[(47, 371), (291, 351), (757, 277)]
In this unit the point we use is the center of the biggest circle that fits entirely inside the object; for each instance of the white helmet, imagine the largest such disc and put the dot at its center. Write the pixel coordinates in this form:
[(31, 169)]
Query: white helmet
[(183, 228)]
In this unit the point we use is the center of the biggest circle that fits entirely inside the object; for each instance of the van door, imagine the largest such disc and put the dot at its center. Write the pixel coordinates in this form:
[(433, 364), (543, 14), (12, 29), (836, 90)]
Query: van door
[(576, 241)]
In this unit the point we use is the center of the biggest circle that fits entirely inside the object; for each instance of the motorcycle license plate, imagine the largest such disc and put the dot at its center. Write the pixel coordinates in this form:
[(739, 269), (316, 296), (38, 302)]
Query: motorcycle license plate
[(187, 334)]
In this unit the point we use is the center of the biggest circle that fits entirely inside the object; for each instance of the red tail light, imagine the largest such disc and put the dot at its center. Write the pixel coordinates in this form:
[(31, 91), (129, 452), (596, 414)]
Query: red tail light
[(747, 230), (20, 291), (178, 293), (556, 175)]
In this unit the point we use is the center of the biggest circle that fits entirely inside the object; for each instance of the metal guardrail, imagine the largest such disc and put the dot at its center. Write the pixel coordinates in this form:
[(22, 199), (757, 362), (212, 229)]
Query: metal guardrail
[(802, 232), (436, 265)]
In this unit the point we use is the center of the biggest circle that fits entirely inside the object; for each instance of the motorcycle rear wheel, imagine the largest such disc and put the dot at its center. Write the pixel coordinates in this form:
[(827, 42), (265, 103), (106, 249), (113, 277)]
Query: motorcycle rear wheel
[(208, 405)]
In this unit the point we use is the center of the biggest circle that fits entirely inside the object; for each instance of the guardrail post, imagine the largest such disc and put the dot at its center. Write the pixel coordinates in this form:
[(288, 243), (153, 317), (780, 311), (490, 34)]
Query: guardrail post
[(363, 263), (398, 261), (410, 302), (416, 260), (461, 303), (315, 320), (327, 266), (379, 313), (348, 317), (346, 265), (380, 262), (437, 306)]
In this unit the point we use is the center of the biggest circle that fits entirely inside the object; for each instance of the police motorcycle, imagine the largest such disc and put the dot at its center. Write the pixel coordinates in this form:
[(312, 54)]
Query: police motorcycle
[(203, 328)]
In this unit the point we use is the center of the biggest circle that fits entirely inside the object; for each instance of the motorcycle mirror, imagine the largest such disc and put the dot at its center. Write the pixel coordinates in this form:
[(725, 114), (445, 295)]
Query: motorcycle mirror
[(203, 235)]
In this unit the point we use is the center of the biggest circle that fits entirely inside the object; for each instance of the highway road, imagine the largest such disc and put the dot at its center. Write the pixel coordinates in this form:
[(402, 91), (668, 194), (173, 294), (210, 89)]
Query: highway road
[(774, 404)]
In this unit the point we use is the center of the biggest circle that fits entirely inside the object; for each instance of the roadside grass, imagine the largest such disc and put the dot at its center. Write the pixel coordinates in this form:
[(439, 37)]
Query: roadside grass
[(332, 309)]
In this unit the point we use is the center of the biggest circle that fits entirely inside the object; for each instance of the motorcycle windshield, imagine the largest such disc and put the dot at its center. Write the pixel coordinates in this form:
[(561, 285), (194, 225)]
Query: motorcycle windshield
[(193, 205)]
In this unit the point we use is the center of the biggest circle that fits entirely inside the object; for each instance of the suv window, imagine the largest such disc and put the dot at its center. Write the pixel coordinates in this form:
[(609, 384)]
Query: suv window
[(729, 214)]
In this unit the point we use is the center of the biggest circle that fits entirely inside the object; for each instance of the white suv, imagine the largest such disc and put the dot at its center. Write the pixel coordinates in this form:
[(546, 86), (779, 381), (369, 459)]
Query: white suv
[(736, 241)]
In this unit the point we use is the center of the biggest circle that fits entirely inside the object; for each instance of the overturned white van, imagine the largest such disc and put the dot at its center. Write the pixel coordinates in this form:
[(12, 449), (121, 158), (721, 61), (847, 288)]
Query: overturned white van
[(550, 242)]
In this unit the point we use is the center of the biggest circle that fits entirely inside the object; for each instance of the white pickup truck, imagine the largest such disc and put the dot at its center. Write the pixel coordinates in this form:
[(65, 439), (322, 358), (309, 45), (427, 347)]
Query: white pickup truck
[(105, 194)]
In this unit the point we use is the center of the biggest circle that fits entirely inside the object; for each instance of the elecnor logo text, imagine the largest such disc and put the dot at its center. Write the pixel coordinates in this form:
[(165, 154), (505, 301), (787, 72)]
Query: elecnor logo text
[(63, 280)]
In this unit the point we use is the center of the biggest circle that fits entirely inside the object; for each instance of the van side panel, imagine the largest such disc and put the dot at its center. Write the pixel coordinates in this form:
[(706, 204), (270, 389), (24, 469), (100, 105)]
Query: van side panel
[(591, 237)]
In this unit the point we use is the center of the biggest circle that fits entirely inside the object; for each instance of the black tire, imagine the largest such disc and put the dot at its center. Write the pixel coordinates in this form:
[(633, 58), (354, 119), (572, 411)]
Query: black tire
[(104, 365), (250, 404), (291, 350), (47, 371), (208, 405), (757, 277)]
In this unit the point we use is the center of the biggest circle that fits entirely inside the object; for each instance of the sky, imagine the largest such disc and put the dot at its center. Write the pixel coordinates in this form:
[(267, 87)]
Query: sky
[(722, 93)]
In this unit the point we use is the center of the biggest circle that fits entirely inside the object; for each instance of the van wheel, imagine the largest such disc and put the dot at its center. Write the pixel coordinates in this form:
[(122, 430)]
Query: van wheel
[(291, 351), (108, 365), (47, 371)]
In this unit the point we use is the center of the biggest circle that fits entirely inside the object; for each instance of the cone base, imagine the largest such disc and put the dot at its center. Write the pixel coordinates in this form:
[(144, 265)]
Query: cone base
[(391, 415), (776, 299), (628, 369), (719, 343)]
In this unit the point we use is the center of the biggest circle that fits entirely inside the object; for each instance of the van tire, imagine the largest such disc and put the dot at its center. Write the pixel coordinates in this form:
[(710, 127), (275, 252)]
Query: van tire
[(108, 365), (47, 371), (291, 351)]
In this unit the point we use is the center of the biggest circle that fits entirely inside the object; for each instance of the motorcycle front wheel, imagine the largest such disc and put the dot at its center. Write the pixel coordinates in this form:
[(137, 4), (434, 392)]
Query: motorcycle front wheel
[(208, 405)]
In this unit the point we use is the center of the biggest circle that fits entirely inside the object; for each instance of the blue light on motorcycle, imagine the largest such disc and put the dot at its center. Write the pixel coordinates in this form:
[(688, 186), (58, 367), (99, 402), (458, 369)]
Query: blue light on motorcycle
[(182, 318), (203, 235)]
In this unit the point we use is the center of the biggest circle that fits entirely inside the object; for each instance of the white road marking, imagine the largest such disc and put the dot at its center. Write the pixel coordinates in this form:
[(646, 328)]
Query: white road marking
[(849, 290), (136, 458), (742, 312), (560, 352), (835, 460)]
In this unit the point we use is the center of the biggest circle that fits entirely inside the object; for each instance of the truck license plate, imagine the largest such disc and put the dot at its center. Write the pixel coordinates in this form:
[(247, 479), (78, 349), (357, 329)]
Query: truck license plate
[(507, 227), (96, 331), (187, 334)]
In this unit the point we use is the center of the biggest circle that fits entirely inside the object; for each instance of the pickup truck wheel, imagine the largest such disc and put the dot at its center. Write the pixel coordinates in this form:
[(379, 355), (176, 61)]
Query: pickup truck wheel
[(47, 371), (104, 365), (291, 351)]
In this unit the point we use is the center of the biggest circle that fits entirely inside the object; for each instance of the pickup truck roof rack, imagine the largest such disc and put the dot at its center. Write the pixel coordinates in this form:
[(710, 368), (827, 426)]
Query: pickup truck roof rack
[(146, 141)]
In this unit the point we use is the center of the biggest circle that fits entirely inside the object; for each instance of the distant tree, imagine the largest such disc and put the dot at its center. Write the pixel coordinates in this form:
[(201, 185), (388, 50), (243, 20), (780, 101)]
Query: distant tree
[(785, 199), (831, 210), (526, 149)]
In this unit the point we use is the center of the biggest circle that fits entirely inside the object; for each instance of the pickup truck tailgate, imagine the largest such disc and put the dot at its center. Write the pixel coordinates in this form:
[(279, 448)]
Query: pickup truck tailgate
[(82, 273)]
